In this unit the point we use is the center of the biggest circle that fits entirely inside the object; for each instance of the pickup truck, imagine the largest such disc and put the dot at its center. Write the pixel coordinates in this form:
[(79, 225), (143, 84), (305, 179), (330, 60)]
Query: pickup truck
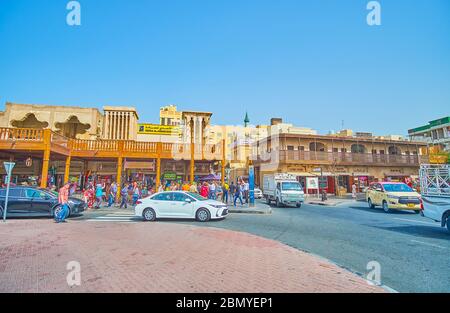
[(283, 189), (435, 190)]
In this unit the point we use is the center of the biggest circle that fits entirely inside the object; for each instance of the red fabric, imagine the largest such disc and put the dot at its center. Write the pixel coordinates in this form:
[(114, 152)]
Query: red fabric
[(204, 191)]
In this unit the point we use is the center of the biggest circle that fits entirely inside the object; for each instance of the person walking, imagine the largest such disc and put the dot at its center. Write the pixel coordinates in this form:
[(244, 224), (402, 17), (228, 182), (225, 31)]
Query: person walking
[(246, 189), (354, 191), (204, 191), (114, 191), (237, 195), (124, 196), (226, 189), (212, 191), (232, 190), (98, 195), (136, 193), (193, 188), (63, 199)]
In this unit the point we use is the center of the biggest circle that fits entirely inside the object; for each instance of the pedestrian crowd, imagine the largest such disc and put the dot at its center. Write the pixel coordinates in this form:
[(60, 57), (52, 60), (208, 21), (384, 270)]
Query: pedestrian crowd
[(100, 193)]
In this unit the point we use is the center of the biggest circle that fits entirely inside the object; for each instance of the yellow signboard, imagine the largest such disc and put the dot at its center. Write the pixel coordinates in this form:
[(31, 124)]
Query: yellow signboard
[(154, 129)]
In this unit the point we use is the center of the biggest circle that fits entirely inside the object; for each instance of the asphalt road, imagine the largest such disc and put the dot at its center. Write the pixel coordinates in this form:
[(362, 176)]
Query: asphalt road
[(414, 252)]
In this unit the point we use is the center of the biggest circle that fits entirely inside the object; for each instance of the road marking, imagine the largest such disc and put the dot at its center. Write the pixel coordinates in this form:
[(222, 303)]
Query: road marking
[(414, 221), (429, 244)]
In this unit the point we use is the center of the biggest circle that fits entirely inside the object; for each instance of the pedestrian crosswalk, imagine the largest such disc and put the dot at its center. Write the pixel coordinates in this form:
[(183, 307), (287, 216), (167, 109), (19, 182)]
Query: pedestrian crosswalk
[(117, 217)]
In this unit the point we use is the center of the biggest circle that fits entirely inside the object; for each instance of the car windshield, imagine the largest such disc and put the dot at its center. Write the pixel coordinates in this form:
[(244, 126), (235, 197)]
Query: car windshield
[(196, 196), (397, 188), (291, 186)]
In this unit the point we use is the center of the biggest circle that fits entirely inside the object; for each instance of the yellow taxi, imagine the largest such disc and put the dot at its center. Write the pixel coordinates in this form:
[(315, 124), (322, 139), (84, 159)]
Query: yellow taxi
[(393, 196)]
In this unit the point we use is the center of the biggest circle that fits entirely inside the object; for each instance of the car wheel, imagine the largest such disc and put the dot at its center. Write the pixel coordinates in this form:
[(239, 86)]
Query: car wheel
[(299, 205), (1, 213), (386, 207), (448, 224), (56, 211), (277, 203), (268, 200), (371, 205), (149, 215), (417, 211), (202, 215)]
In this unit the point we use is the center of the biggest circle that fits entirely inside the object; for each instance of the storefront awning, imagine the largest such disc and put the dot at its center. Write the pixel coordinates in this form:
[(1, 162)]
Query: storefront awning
[(303, 174)]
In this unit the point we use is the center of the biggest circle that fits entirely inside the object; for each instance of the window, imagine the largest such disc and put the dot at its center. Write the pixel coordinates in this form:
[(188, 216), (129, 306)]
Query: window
[(394, 150), (397, 188), (381, 151), (166, 196), (301, 148), (358, 148), (317, 146), (290, 148), (344, 150), (374, 151), (292, 186), (335, 150), (181, 197), (17, 193), (31, 193), (197, 196)]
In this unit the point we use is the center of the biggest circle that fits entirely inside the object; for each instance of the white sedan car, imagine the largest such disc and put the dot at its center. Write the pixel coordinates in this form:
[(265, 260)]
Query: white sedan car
[(180, 204), (258, 193)]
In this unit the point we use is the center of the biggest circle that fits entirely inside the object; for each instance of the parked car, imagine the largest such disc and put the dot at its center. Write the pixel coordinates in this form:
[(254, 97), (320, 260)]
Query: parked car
[(29, 201), (180, 204), (258, 193), (393, 196)]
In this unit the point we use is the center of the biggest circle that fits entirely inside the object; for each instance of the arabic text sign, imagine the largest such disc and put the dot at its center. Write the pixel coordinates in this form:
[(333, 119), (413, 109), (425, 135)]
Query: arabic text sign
[(154, 129)]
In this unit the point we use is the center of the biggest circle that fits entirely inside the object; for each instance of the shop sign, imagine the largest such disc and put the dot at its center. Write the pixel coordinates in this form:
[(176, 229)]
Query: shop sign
[(29, 162), (155, 129), (170, 176), (296, 168), (312, 182), (129, 165)]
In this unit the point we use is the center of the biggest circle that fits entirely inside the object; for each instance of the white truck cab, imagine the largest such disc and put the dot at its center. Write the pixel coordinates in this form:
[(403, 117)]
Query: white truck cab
[(435, 190), (283, 189)]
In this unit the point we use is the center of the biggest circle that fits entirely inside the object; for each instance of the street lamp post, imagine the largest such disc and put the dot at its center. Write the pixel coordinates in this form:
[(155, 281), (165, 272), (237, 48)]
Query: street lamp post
[(8, 167)]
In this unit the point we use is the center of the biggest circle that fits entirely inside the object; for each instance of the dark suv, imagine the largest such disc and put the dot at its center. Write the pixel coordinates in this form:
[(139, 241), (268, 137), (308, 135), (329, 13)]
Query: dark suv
[(29, 201)]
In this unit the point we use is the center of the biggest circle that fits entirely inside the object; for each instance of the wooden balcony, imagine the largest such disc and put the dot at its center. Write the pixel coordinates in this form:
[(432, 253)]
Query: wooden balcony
[(38, 139), (338, 158)]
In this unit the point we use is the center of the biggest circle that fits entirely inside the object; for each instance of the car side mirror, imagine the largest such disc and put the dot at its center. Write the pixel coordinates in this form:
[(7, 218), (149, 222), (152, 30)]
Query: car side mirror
[(379, 189), (187, 200)]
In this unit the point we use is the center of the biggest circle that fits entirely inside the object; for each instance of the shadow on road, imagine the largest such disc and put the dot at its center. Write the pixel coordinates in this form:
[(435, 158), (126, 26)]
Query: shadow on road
[(380, 210), (419, 230)]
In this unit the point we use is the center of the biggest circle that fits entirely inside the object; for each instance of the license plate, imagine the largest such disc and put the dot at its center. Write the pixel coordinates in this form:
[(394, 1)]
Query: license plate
[(411, 205)]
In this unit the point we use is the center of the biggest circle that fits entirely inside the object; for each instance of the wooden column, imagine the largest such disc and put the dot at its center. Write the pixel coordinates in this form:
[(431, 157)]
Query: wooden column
[(46, 160), (223, 162), (67, 170), (119, 177), (192, 124), (158, 165)]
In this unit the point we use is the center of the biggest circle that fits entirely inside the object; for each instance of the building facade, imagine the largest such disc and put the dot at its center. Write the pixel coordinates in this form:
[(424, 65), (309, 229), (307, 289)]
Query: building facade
[(54, 144), (338, 161), (436, 134)]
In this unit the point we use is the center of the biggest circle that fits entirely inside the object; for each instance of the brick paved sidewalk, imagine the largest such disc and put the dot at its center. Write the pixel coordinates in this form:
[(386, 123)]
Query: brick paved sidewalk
[(158, 257)]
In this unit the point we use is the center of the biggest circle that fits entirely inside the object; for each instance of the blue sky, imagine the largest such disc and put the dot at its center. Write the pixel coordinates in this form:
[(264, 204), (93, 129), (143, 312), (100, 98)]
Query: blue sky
[(314, 63)]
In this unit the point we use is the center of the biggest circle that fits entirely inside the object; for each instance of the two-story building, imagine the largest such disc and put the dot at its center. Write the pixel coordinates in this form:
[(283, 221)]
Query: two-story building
[(339, 161)]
